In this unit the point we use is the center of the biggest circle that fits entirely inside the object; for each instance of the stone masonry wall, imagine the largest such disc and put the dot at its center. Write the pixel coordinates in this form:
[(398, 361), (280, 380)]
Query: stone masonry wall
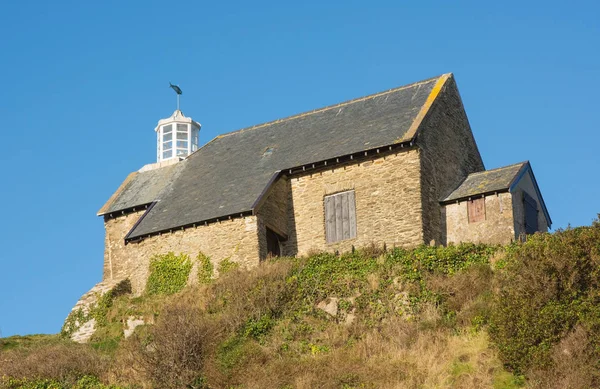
[(115, 231), (236, 239), (449, 155), (497, 228), (388, 204), (526, 185), (273, 213)]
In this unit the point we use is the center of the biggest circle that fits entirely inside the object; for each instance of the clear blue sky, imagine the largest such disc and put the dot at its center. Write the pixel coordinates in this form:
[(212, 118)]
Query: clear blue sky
[(84, 84)]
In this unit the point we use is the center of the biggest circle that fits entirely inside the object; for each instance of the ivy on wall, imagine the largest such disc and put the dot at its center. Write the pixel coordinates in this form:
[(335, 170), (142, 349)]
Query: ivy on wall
[(227, 265), (205, 269), (168, 273)]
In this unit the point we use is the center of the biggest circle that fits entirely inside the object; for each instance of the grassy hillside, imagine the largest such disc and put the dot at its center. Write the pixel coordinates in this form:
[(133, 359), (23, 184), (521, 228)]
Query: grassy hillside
[(468, 316)]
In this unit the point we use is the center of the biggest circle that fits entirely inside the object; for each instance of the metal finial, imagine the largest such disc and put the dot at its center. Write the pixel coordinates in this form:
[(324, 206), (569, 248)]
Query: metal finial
[(177, 90)]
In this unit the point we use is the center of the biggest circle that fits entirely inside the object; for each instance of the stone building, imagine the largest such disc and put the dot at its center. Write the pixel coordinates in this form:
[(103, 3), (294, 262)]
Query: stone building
[(399, 168)]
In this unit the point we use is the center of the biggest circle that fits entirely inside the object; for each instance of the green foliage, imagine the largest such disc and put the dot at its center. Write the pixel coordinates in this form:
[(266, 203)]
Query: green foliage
[(378, 277), (205, 269), (122, 288), (414, 264), (26, 342), (506, 380), (13, 383), (550, 284), (227, 265), (231, 352), (258, 329), (85, 382), (75, 320), (91, 382), (168, 273)]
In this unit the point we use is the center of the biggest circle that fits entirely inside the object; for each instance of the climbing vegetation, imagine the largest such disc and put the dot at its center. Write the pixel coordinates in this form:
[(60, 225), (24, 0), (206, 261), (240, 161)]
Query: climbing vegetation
[(205, 269), (168, 273)]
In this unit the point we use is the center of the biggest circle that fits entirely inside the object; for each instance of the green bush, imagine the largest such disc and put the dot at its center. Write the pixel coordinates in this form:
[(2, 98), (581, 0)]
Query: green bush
[(168, 273), (549, 285), (85, 382)]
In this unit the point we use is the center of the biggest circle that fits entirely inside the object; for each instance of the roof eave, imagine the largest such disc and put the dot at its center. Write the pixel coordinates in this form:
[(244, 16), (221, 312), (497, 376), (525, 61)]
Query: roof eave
[(106, 207), (471, 196)]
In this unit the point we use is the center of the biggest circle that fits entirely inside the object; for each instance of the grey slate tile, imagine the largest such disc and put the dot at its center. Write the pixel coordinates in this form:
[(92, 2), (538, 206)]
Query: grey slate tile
[(488, 181), (228, 174)]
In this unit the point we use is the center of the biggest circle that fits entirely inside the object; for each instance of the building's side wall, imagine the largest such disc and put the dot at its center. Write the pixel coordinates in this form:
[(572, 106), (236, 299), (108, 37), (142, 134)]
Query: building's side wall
[(114, 242), (449, 155), (235, 239), (388, 204), (497, 228), (525, 184), (273, 214)]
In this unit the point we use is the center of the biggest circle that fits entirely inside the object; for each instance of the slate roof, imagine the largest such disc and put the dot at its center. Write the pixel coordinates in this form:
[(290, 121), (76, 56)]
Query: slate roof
[(140, 188), (489, 181), (228, 175)]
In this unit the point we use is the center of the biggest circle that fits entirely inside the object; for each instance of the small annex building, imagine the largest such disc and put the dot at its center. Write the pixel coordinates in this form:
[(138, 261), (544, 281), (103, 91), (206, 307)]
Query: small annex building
[(399, 168)]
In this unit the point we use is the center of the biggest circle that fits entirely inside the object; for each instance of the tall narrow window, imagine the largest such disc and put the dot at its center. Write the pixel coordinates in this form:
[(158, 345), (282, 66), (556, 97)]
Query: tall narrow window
[(182, 140), (476, 210), (340, 217), (531, 214), (167, 142)]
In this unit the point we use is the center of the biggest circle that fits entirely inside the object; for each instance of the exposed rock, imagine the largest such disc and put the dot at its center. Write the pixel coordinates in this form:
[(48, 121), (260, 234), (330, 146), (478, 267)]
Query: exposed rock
[(132, 323), (84, 332), (350, 317), (329, 305)]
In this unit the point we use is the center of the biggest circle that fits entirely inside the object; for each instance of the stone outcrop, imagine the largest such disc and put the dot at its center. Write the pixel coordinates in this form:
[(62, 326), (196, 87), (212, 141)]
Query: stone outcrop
[(82, 329), (132, 323)]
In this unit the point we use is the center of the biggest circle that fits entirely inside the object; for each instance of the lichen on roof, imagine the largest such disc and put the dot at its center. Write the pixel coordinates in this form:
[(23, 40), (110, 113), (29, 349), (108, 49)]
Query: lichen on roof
[(488, 181), (141, 188)]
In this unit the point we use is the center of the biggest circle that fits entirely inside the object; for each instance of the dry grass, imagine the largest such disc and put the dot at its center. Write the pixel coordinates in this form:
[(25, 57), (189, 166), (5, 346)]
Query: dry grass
[(171, 353), (397, 355), (65, 362)]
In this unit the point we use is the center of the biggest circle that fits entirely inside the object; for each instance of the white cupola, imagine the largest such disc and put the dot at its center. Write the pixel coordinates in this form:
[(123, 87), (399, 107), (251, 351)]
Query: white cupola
[(176, 137)]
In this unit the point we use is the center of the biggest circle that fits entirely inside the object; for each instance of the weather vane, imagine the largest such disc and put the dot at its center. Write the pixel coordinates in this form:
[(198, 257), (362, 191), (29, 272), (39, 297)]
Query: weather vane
[(177, 90)]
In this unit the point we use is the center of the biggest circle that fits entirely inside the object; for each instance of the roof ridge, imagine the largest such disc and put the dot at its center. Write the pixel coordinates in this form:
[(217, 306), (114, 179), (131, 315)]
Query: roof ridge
[(329, 107), (499, 168)]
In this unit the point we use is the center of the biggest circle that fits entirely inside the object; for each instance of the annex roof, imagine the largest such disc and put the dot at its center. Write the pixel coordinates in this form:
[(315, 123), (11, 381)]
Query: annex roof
[(489, 181), (228, 175)]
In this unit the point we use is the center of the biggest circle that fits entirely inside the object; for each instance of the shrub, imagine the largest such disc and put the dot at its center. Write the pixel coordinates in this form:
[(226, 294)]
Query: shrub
[(168, 273), (173, 353), (65, 363), (550, 284)]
